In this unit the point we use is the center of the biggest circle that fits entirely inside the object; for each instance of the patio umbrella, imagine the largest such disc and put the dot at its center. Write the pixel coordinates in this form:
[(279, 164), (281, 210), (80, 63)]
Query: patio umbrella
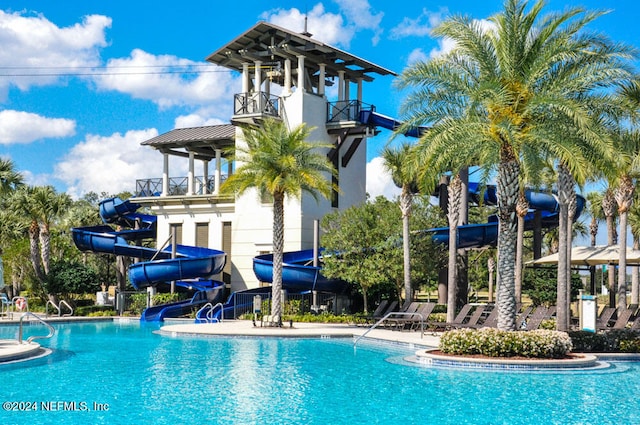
[(593, 255)]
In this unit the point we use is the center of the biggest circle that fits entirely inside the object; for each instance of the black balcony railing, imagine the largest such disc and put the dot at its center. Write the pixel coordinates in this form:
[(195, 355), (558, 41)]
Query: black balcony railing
[(345, 110), (256, 103), (177, 186)]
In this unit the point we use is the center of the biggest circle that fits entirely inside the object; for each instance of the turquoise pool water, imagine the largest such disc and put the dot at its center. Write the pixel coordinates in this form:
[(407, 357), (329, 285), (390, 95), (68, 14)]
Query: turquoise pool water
[(142, 377)]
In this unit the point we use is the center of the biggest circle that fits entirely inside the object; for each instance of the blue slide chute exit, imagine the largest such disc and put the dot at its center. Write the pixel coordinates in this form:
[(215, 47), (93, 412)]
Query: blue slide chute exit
[(192, 268)]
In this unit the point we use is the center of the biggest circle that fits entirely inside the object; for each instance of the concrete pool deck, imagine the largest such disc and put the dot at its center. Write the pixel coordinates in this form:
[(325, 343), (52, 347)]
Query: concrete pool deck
[(301, 330)]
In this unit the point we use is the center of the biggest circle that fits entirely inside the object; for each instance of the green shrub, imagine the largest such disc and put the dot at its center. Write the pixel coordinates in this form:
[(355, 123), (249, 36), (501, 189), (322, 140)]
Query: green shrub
[(623, 340), (495, 343)]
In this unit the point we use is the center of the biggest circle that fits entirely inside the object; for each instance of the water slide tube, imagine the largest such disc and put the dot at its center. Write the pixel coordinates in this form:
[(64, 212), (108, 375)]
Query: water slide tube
[(192, 267)]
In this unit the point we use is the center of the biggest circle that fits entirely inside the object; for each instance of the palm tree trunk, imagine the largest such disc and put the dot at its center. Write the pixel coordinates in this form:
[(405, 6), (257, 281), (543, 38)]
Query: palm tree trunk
[(522, 208), (565, 187), (635, 278), (278, 251), (508, 188), (622, 263), (453, 213), (571, 213), (624, 198), (405, 207), (45, 247), (561, 296), (608, 208)]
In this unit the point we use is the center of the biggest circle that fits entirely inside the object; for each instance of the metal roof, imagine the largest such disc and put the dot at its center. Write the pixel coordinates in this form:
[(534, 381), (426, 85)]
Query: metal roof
[(202, 140), (271, 44)]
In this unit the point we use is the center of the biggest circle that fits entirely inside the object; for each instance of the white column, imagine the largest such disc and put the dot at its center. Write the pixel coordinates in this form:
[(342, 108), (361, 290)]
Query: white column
[(165, 175), (346, 90), (301, 72), (257, 75), (257, 81), (359, 90), (245, 78), (205, 178), (190, 175), (217, 178), (340, 85), (321, 78), (287, 77)]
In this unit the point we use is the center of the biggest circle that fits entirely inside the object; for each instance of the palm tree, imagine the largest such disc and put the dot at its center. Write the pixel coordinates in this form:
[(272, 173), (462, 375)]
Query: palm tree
[(506, 98), (279, 162), (10, 179), (395, 161), (594, 209)]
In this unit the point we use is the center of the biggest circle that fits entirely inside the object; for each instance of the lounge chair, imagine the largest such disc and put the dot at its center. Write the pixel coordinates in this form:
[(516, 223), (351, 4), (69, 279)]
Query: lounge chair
[(491, 321), (623, 319), (399, 316), (391, 307), (541, 313), (378, 311), (521, 318), (461, 318), (418, 320), (602, 322)]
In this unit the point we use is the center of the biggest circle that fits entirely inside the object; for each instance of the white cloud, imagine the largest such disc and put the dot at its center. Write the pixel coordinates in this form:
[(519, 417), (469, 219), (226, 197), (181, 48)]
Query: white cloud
[(109, 163), (417, 55), (25, 127), (196, 120), (360, 14), (379, 180), (326, 27), (420, 26), (145, 76), (33, 46), (445, 45), (337, 29)]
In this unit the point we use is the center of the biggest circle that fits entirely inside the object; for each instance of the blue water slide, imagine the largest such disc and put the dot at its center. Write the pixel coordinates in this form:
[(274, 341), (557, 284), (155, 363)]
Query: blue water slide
[(192, 267), (158, 313), (298, 272)]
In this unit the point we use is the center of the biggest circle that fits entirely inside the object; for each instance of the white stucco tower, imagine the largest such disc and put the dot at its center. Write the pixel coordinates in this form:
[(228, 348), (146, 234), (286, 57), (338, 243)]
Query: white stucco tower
[(287, 76)]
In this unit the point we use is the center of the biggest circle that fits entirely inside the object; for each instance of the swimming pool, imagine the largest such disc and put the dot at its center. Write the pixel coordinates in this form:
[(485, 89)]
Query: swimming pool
[(123, 373)]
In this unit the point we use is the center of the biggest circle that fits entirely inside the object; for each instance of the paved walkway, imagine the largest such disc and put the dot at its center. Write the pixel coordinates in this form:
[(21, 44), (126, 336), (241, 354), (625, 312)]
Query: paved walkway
[(298, 330)]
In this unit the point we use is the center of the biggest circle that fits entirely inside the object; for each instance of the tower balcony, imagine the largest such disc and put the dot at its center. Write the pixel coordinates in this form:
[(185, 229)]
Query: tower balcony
[(178, 186), (255, 106)]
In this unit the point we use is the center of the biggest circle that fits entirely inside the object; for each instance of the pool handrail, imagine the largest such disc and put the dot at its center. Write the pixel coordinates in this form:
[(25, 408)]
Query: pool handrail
[(386, 316), (58, 308), (209, 315), (52, 330)]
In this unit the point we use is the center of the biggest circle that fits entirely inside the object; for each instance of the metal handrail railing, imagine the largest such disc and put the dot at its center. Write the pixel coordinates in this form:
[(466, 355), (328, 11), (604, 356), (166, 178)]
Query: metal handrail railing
[(52, 330), (58, 308), (386, 316), (203, 308), (210, 317)]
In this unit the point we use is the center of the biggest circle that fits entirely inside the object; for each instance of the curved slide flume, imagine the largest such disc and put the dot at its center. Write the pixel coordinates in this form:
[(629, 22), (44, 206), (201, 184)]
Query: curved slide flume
[(192, 268)]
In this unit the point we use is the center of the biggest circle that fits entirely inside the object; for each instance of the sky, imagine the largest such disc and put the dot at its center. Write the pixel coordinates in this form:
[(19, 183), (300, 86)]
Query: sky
[(84, 82)]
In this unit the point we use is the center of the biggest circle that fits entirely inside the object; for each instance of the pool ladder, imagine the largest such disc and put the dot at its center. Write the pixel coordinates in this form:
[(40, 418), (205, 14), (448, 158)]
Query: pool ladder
[(52, 331), (58, 308), (210, 308)]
